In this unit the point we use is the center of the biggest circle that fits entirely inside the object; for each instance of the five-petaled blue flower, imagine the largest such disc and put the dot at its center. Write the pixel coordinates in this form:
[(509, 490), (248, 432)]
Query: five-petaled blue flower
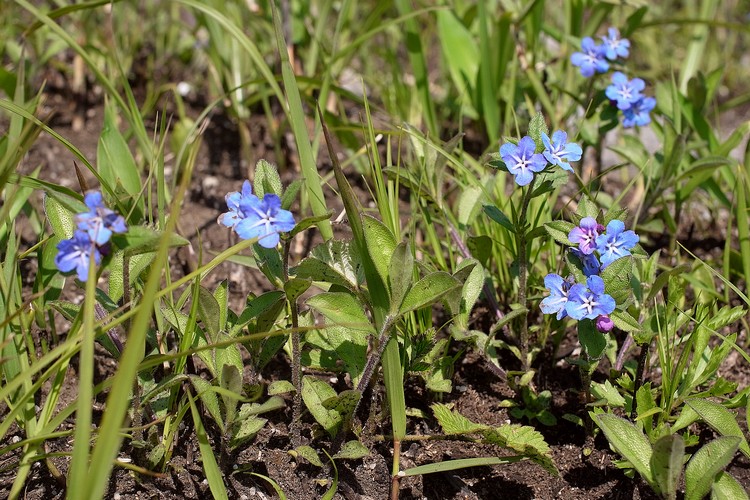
[(560, 152), (233, 199), (99, 222), (615, 243), (638, 112), (558, 295), (589, 301), (585, 235), (591, 60), (521, 160), (614, 46), (263, 219), (625, 92), (76, 253)]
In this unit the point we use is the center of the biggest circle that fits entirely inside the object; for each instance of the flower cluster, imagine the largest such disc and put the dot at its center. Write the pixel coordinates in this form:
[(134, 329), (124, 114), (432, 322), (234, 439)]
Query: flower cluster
[(523, 161), (252, 217), (91, 238), (597, 248), (624, 93), (594, 58)]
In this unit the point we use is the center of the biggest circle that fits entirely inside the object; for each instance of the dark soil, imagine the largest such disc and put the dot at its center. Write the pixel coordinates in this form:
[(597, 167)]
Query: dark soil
[(477, 390)]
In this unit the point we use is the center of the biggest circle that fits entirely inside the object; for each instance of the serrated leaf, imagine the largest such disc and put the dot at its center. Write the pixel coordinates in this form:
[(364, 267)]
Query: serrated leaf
[(666, 464), (352, 450), (524, 440), (706, 463), (266, 179), (380, 245), (629, 442), (341, 308), (427, 291), (452, 422), (309, 454), (721, 420), (559, 230)]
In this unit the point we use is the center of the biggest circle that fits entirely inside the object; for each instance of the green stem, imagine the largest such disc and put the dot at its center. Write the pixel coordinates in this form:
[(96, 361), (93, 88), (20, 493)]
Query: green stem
[(523, 267), (296, 357), (639, 378)]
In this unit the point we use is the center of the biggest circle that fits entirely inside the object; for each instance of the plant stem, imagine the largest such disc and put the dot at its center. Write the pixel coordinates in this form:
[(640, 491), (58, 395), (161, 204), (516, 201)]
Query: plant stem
[(395, 478), (523, 266), (642, 358), (296, 357)]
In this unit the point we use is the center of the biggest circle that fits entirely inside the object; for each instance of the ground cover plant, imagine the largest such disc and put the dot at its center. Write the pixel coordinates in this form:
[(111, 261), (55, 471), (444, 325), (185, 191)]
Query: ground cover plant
[(374, 249)]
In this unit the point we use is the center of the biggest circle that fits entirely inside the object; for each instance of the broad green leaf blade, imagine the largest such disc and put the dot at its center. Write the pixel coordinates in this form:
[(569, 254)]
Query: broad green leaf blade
[(452, 422), (706, 463), (142, 239), (266, 179), (314, 393), (628, 441), (559, 231), (666, 464), (720, 419), (341, 308), (726, 487), (400, 274), (114, 159), (380, 245), (352, 450), (308, 453), (427, 291)]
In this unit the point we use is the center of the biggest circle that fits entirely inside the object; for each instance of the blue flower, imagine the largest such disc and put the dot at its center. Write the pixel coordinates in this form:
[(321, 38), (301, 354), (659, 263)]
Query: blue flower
[(589, 301), (585, 235), (625, 92), (76, 253), (559, 152), (521, 160), (263, 219), (614, 46), (99, 222), (638, 113), (235, 214), (591, 60), (591, 266), (558, 295), (615, 243)]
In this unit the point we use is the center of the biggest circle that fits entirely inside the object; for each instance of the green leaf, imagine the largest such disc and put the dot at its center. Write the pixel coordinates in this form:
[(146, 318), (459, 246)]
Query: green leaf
[(296, 287), (559, 230), (339, 343), (352, 450), (142, 239), (525, 440), (314, 392), (498, 216), (616, 278), (587, 208), (537, 127), (60, 214), (666, 464), (114, 160), (721, 420), (280, 387), (400, 274), (333, 262), (245, 429), (221, 294), (452, 422), (341, 308), (706, 463), (308, 453), (290, 193), (266, 179), (208, 397), (624, 321), (592, 340), (461, 52), (628, 441), (209, 312), (427, 291), (726, 487), (210, 466), (309, 222), (380, 245), (460, 463)]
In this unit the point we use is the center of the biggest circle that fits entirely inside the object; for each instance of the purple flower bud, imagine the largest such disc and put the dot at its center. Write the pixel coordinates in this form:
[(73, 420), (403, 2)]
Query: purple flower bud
[(604, 323)]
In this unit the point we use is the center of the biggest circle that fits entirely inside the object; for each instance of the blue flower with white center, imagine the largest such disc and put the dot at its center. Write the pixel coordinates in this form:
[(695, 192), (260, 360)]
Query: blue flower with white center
[(585, 235), (99, 222), (591, 265), (614, 46), (76, 253), (559, 151), (589, 301), (522, 161), (263, 219), (558, 295), (591, 60), (615, 243), (235, 214), (638, 113), (625, 92)]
